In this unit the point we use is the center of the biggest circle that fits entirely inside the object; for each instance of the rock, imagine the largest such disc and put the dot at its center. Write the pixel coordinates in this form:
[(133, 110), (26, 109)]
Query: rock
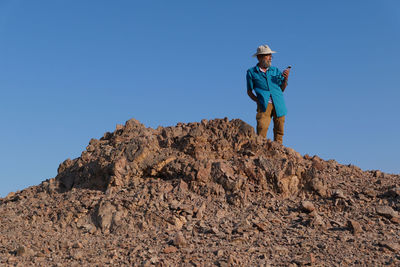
[(77, 255), (288, 185), (337, 193), (318, 186), (199, 212), (369, 192), (307, 206), (354, 226), (11, 260), (214, 230), (395, 220), (10, 195), (154, 259), (233, 261), (223, 174), (24, 251), (77, 245), (178, 222), (219, 253), (318, 221), (179, 240), (386, 211), (261, 226), (378, 174), (21, 250), (307, 259), (317, 165), (392, 246), (393, 192), (105, 215), (170, 249)]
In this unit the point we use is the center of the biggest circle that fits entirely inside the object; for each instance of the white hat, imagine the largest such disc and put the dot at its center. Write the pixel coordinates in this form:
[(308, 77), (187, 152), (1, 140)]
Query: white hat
[(263, 50)]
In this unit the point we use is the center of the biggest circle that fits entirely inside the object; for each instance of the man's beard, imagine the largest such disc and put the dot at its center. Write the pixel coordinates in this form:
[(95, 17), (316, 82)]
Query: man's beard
[(265, 64)]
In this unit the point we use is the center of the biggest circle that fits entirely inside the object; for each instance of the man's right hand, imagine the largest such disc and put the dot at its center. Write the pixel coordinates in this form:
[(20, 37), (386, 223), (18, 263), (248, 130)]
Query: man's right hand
[(252, 95)]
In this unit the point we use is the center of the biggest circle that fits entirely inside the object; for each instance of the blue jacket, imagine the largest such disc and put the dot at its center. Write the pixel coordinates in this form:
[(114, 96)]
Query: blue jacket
[(267, 85)]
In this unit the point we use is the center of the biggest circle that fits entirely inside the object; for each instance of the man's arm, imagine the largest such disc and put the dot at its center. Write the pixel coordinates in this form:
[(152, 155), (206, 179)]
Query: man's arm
[(252, 95), (283, 85), (250, 87)]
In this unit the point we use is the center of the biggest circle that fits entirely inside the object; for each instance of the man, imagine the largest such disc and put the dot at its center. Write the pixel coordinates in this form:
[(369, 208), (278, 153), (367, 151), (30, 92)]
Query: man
[(268, 83)]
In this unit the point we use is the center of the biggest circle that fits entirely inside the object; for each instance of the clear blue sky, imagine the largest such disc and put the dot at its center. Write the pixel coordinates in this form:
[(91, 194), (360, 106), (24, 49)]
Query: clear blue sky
[(72, 70)]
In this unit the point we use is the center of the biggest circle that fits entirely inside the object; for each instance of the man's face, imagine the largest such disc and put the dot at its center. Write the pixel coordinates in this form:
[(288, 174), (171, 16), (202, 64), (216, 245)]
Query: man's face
[(264, 60)]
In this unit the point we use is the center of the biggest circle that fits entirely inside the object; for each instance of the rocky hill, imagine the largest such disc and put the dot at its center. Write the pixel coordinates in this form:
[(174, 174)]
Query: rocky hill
[(201, 194)]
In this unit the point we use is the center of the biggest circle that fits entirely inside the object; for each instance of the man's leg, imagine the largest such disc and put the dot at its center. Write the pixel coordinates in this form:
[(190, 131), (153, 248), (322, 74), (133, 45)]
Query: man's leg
[(263, 120), (278, 128)]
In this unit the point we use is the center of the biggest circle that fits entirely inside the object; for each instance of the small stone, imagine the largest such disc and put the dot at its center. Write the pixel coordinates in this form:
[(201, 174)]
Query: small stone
[(200, 211), (11, 259), (386, 211), (261, 226), (337, 193), (281, 250), (307, 206), (78, 255), (369, 192), (354, 226), (395, 220), (233, 261), (90, 228), (309, 259), (220, 214), (394, 192), (392, 246), (222, 263), (318, 221), (318, 186), (178, 223), (179, 240), (77, 245), (170, 249), (312, 258), (219, 253), (10, 195), (20, 251), (317, 165), (154, 260), (24, 251), (214, 230)]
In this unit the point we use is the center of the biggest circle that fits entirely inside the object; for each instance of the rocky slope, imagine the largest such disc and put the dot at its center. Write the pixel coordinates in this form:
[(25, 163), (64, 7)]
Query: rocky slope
[(201, 194)]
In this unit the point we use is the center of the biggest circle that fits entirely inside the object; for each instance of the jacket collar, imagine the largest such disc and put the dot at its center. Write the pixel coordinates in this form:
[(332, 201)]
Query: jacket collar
[(258, 68)]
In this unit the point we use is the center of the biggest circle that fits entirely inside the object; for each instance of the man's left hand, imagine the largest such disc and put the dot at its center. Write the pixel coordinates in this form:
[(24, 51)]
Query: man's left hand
[(285, 74)]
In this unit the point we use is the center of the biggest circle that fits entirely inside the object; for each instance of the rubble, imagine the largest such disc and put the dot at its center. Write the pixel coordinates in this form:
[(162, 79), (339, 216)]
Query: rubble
[(204, 193)]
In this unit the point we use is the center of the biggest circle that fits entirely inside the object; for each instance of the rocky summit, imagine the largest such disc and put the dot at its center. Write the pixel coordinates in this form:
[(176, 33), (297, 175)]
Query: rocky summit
[(211, 193)]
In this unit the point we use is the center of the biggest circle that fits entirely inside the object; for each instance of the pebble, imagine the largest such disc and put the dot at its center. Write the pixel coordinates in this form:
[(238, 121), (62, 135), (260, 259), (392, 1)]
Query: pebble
[(392, 246), (170, 249), (354, 226), (307, 206), (179, 240), (386, 211)]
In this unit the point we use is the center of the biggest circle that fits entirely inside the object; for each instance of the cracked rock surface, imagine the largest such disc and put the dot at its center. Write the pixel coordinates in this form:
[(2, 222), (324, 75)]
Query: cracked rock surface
[(210, 193)]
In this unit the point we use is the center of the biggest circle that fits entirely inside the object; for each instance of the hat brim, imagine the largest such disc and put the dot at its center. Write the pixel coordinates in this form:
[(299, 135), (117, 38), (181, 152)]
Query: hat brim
[(256, 54)]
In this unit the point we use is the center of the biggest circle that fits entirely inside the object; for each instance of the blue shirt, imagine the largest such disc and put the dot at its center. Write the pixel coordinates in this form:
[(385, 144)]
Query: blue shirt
[(267, 85)]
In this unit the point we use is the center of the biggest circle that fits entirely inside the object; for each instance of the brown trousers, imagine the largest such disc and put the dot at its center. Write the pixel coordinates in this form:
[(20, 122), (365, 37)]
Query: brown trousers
[(264, 119)]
